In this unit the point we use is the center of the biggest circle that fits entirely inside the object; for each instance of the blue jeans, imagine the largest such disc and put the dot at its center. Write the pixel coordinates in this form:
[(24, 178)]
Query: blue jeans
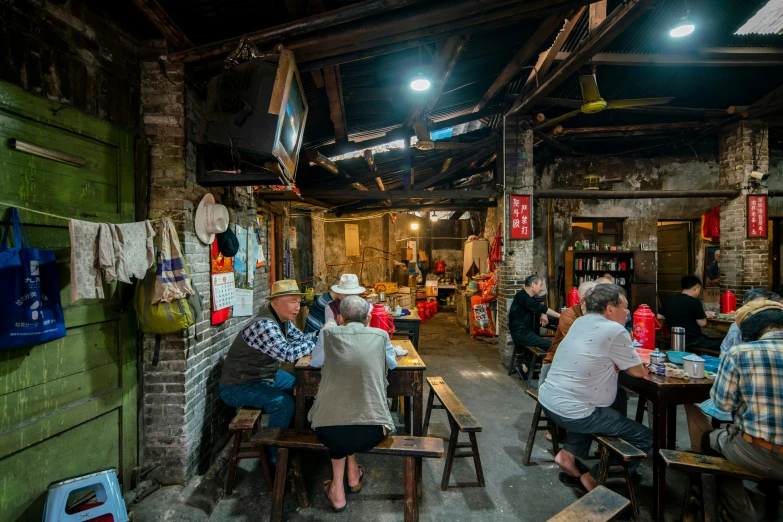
[(275, 398), (603, 421)]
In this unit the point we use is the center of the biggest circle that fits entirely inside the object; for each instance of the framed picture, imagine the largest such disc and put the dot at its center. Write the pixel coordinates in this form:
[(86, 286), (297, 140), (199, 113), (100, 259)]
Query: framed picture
[(711, 266)]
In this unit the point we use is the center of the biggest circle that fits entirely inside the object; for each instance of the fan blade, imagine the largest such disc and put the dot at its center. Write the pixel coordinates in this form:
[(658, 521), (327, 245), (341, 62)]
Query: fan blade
[(447, 145), (422, 134), (639, 102), (557, 120)]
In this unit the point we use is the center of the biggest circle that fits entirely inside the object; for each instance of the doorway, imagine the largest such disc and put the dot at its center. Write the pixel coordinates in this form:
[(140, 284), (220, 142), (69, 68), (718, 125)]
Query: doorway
[(674, 256)]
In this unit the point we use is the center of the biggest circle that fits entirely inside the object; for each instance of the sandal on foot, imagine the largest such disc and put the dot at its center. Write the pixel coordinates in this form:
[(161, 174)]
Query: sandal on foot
[(358, 487), (326, 485), (572, 482)]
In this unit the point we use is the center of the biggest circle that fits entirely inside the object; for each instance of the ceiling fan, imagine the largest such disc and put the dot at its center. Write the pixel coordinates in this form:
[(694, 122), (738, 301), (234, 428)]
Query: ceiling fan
[(425, 141), (593, 103)]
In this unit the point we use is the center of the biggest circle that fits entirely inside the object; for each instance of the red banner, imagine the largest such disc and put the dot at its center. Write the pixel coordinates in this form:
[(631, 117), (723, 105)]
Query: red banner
[(757, 216), (521, 221)]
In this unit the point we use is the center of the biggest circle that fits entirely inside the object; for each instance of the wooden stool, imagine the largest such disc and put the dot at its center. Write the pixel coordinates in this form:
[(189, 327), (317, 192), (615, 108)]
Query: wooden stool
[(460, 420), (709, 467), (245, 420), (536, 426), (533, 357), (627, 452), (600, 505)]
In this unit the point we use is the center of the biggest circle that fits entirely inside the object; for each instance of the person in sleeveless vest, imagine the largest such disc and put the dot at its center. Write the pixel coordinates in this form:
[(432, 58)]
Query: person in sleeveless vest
[(251, 376), (326, 308), (350, 414)]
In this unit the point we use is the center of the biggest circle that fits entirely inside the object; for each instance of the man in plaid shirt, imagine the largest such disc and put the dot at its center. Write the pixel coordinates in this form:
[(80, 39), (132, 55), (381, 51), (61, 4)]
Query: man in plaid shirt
[(750, 385), (251, 375)]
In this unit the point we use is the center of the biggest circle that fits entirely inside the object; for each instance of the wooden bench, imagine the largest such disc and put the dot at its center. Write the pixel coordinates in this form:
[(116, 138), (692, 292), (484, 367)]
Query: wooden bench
[(409, 448), (627, 453), (537, 426), (709, 467), (600, 505), (245, 421), (460, 420)]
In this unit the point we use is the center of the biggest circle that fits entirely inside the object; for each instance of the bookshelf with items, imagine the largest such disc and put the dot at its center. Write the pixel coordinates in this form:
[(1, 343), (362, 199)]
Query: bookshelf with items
[(622, 265)]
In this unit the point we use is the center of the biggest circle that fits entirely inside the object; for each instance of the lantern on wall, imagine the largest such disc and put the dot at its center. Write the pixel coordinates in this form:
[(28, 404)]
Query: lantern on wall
[(590, 180)]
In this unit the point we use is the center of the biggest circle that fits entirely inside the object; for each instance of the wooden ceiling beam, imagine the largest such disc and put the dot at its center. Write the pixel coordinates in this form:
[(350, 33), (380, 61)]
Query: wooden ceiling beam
[(334, 91), (631, 128), (674, 60), (520, 60), (316, 22), (661, 109), (453, 169), (553, 142), (403, 34), (619, 20), (424, 207), (397, 195), (164, 23), (597, 15), (547, 58)]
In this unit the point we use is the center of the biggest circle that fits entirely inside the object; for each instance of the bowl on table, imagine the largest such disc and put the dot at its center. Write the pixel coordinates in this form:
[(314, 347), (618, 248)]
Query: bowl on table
[(676, 357)]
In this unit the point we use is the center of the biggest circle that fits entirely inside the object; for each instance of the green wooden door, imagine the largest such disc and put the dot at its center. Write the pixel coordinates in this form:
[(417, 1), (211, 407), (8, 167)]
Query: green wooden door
[(67, 407)]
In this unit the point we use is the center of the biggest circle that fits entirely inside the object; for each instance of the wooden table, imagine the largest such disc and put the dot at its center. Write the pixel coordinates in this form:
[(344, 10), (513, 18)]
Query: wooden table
[(409, 323), (722, 325), (665, 393), (407, 381)]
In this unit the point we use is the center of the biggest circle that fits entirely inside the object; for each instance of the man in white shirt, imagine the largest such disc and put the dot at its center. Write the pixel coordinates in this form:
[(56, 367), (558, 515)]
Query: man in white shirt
[(580, 390)]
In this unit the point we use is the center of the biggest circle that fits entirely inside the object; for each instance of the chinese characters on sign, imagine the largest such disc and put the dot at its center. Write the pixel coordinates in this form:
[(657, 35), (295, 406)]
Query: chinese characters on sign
[(521, 223), (757, 216)]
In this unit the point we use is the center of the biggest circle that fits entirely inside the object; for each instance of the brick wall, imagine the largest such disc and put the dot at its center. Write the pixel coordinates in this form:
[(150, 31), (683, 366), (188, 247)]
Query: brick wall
[(744, 262), (518, 260), (183, 416)]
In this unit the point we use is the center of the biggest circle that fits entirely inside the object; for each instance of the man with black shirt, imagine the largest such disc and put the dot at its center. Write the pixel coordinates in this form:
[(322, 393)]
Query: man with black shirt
[(522, 317), (685, 310)]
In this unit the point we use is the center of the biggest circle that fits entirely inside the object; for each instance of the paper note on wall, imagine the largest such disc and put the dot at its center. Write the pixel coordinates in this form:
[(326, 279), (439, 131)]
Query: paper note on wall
[(243, 304), (352, 240)]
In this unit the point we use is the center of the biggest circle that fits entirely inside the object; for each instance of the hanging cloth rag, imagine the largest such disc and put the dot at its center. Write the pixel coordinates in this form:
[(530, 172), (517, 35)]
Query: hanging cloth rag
[(171, 282), (137, 250), (710, 225), (86, 281), (495, 254)]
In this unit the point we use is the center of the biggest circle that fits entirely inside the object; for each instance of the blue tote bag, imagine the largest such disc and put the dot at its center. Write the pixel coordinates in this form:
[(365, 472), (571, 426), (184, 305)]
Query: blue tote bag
[(30, 310)]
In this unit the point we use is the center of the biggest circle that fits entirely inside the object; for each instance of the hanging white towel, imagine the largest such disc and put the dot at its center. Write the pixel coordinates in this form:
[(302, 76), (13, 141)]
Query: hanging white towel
[(137, 250), (86, 281)]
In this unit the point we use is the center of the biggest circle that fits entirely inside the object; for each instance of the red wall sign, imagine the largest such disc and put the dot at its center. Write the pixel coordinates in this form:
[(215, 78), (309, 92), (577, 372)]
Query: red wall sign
[(521, 222), (757, 216)]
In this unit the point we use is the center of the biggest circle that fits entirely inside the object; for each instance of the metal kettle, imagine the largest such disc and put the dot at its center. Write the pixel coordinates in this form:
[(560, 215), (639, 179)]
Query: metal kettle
[(678, 339)]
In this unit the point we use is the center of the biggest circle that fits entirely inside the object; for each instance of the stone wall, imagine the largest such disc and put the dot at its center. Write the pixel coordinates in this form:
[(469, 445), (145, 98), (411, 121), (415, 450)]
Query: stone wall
[(74, 54), (184, 420)]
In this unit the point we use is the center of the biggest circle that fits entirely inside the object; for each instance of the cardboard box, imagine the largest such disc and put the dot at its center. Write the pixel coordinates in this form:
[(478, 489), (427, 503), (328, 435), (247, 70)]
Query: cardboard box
[(712, 295), (406, 254)]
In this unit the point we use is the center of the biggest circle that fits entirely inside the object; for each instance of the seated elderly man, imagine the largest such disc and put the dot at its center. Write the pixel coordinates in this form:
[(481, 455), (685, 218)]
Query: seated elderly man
[(700, 415), (750, 385), (326, 308), (567, 318), (350, 414), (251, 375), (580, 391)]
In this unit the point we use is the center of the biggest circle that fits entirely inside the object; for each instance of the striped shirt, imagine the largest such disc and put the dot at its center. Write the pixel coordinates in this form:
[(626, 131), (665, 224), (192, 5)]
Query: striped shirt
[(316, 317), (750, 385)]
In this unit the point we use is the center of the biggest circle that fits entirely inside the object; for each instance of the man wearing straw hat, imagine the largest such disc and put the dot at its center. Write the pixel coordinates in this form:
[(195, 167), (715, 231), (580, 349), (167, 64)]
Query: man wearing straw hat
[(251, 375)]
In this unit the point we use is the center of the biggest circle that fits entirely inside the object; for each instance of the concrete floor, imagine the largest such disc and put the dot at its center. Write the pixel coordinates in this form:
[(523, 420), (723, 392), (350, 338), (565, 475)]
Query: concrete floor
[(472, 369)]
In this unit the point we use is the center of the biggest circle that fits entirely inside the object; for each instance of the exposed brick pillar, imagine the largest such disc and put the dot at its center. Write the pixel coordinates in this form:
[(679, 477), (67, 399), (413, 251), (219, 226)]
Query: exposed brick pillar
[(184, 418), (744, 262), (518, 261)]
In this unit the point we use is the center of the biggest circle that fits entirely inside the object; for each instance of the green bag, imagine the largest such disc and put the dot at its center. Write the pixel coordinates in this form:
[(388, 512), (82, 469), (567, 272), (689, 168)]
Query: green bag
[(164, 318)]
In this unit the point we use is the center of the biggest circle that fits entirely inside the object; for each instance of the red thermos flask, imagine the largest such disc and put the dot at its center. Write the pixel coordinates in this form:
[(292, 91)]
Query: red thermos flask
[(728, 302), (572, 298)]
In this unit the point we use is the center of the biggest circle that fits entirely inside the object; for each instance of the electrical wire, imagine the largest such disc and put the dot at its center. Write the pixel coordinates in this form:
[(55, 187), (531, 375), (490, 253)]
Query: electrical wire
[(341, 220), (56, 216), (320, 275)]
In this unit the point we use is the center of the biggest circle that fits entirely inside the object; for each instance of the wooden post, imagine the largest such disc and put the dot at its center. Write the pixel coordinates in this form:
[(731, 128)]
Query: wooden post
[(550, 255)]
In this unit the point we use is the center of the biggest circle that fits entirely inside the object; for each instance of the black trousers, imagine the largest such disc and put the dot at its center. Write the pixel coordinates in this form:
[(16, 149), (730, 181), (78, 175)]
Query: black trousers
[(528, 338), (347, 440), (705, 343)]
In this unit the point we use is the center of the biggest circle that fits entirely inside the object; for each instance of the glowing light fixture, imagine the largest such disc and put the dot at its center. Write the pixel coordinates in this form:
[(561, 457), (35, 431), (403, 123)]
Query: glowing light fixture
[(414, 226), (420, 83), (683, 27)]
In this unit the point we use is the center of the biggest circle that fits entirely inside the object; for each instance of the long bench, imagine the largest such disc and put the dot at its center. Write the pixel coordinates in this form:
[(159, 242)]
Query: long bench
[(460, 421), (409, 448), (709, 467), (600, 505)]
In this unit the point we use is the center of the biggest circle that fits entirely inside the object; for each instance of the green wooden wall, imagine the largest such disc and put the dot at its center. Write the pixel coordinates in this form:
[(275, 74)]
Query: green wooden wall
[(70, 406)]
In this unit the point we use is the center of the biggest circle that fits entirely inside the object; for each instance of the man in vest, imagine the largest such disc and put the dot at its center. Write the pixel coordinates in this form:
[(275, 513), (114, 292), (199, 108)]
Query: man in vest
[(251, 375)]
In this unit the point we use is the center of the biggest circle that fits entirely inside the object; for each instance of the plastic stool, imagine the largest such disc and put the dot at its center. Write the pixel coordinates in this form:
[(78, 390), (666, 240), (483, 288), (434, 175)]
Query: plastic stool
[(109, 506)]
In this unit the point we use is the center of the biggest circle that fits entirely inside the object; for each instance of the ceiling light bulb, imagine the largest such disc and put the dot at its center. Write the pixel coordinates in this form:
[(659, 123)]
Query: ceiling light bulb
[(414, 226), (683, 28), (420, 83)]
